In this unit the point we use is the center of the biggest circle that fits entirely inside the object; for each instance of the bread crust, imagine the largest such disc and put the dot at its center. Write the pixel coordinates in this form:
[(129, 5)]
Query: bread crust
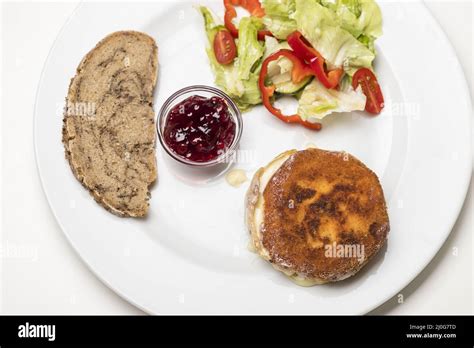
[(68, 132)]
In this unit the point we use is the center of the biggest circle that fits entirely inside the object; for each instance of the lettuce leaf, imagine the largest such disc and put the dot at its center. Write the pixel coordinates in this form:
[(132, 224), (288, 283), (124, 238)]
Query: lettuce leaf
[(362, 18), (272, 45), (278, 17), (316, 101), (321, 27), (240, 79), (249, 49)]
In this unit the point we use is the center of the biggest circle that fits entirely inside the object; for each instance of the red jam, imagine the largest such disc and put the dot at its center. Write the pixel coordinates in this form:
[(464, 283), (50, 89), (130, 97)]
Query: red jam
[(200, 129)]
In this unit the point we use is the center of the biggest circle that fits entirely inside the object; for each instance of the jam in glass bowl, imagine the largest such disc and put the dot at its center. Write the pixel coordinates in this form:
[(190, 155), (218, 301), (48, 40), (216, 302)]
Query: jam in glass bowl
[(200, 126)]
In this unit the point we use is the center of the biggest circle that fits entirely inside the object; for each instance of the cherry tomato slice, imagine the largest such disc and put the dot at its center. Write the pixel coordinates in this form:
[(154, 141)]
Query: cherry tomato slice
[(370, 86), (224, 47)]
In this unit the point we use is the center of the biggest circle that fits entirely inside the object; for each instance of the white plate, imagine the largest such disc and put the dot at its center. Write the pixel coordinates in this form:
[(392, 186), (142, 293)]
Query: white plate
[(190, 255)]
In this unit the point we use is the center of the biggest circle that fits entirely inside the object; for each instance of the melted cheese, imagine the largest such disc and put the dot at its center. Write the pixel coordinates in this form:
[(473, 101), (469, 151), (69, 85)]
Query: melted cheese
[(265, 178), (236, 177)]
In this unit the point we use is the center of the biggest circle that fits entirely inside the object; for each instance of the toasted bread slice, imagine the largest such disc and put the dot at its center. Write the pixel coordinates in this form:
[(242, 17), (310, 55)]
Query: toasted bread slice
[(109, 127), (318, 216)]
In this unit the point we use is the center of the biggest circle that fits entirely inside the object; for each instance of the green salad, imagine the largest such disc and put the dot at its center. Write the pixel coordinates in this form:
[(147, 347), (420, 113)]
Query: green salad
[(319, 51)]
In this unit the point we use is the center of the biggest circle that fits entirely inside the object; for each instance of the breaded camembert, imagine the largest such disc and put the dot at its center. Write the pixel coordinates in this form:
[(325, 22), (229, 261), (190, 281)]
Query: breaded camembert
[(317, 216)]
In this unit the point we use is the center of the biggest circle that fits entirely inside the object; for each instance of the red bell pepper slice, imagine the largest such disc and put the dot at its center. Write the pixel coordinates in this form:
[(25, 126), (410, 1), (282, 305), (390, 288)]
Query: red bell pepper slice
[(252, 6), (299, 72), (307, 53)]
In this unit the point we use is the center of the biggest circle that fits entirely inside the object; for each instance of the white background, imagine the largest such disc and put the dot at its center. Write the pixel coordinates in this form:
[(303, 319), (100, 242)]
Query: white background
[(39, 271)]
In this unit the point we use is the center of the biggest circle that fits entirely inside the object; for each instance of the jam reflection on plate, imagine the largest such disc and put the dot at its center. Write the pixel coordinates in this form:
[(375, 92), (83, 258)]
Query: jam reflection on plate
[(200, 129)]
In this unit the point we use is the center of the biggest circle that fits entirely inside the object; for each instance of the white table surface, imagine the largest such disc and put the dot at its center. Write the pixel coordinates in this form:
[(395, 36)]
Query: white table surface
[(39, 271)]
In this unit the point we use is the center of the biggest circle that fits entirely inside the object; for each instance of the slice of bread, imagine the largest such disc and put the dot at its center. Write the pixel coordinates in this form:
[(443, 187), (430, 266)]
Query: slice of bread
[(109, 127)]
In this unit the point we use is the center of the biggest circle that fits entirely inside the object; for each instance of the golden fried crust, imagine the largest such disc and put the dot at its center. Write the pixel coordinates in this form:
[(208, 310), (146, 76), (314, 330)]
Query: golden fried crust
[(318, 198)]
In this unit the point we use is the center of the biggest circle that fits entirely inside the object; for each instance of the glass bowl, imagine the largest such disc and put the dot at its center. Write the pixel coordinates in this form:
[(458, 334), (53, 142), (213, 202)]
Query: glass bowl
[(207, 92)]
